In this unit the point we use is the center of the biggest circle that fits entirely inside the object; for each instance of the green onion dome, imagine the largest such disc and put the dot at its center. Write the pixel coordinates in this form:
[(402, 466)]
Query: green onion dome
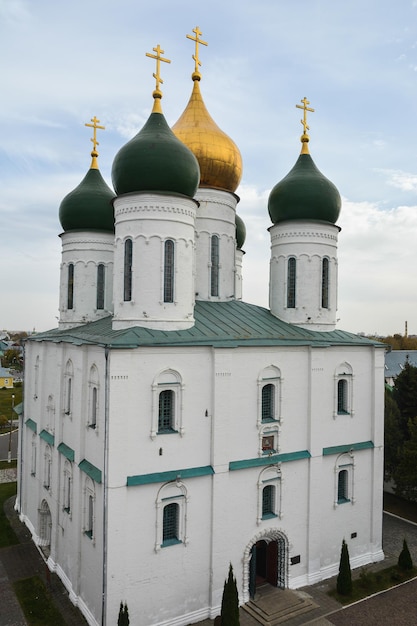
[(304, 194), (89, 206), (240, 232), (155, 160)]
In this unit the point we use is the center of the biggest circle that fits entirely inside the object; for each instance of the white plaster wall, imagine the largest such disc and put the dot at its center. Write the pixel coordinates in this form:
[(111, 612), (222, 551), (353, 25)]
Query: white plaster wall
[(308, 242), (216, 215), (149, 220), (86, 250)]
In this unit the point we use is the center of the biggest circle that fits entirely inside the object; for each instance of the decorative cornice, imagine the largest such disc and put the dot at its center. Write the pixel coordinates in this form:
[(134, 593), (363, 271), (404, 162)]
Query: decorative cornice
[(304, 233)]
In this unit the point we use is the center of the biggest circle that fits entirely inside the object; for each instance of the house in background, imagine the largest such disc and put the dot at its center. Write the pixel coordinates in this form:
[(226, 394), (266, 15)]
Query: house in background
[(170, 428), (395, 361), (6, 378)]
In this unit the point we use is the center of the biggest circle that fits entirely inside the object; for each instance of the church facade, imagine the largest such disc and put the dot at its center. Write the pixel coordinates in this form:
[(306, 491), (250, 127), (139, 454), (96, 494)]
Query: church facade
[(170, 428)]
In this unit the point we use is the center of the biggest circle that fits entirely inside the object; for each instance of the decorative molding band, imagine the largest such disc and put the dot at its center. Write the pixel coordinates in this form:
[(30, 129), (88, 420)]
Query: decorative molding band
[(297, 234), (163, 477), (124, 210)]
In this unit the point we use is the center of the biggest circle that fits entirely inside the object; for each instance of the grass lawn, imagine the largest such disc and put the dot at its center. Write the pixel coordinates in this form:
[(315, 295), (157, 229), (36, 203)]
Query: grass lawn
[(36, 603), (7, 535)]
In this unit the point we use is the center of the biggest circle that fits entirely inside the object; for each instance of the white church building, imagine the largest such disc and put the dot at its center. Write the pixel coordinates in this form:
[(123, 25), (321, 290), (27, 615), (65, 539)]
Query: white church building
[(169, 427)]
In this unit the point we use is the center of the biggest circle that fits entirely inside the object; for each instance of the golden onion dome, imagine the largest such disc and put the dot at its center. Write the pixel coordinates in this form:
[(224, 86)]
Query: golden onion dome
[(218, 156)]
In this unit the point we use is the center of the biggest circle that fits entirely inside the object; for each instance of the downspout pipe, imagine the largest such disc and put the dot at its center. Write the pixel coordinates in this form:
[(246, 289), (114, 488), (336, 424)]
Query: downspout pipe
[(105, 484)]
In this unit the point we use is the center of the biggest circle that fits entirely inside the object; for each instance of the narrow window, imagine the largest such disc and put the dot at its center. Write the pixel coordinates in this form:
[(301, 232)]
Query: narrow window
[(214, 289), (93, 420), (268, 501), (90, 516), (325, 284), (291, 283), (166, 411), (69, 397), (268, 408), (342, 486), (70, 290), (169, 271), (127, 287), (342, 389), (170, 524), (100, 286), (67, 492), (33, 462)]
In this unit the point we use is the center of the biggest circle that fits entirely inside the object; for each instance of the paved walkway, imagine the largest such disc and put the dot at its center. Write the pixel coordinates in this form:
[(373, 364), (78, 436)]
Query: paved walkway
[(396, 607)]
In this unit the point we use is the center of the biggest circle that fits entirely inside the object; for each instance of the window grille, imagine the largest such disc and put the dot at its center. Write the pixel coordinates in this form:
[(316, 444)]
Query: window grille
[(214, 287), (70, 291), (127, 272), (325, 284), (342, 486), (268, 408), (170, 523), (100, 286), (268, 501), (166, 410), (342, 395), (169, 271), (291, 283)]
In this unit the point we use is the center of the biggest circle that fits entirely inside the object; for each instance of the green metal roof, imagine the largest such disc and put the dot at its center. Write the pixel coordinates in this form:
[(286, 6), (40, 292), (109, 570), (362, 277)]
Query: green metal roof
[(361, 445), (32, 425), (219, 324), (269, 460)]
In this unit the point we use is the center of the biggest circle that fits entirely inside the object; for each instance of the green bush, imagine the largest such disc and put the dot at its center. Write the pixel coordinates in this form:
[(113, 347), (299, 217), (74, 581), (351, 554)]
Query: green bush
[(230, 601)]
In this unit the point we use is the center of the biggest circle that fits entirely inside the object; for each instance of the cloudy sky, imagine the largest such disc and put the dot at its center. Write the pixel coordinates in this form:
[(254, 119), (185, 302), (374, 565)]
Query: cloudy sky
[(61, 63)]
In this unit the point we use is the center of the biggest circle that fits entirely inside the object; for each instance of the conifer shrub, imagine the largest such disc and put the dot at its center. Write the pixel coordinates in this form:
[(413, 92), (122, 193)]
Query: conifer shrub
[(230, 602), (344, 578), (405, 561)]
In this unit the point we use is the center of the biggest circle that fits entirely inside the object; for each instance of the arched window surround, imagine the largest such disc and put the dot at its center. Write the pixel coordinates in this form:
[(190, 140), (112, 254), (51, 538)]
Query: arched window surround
[(344, 483), (343, 391), (167, 380), (271, 378), (271, 476), (174, 492)]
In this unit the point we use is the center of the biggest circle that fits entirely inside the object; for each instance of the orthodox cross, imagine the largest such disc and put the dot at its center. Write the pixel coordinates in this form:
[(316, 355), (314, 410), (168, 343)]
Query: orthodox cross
[(197, 32), (158, 58), (305, 109), (95, 125)]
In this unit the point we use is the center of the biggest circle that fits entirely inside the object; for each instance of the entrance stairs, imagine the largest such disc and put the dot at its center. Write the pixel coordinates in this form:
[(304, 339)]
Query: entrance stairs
[(272, 606)]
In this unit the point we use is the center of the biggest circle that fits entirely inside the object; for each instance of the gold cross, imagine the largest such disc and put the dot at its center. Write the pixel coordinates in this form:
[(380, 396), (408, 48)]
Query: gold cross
[(305, 108), (95, 125), (197, 32), (157, 76)]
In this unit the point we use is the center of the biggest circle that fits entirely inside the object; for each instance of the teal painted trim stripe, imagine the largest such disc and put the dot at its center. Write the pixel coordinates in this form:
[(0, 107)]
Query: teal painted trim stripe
[(32, 425), (269, 460), (163, 477), (66, 451), (47, 437), (362, 445), (91, 470)]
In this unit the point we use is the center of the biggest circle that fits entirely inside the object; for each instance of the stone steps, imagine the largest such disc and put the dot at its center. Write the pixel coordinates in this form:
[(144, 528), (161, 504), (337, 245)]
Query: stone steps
[(272, 606)]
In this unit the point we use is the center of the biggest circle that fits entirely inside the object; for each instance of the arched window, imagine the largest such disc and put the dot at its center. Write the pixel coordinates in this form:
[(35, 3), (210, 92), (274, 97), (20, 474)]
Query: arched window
[(171, 515), (89, 509), (100, 286), (325, 283), (268, 402), (268, 502), (291, 282), (214, 278), (34, 453), (269, 493), (67, 495), (93, 383), (70, 287), (343, 390), (127, 271), (170, 524), (166, 415), (47, 474), (342, 396), (342, 486), (169, 271), (68, 378)]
